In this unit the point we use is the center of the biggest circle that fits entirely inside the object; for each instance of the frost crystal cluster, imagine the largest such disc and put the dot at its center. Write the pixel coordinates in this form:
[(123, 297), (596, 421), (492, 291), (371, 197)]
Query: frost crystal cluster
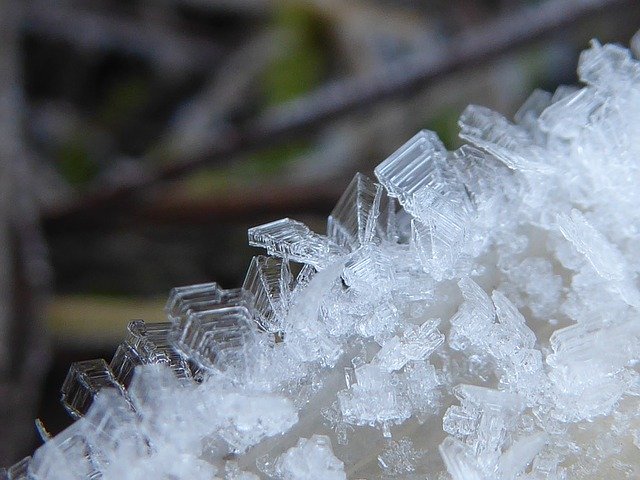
[(472, 315)]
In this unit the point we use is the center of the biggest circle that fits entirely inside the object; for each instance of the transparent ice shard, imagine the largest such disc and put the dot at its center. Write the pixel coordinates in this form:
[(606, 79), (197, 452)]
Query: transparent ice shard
[(417, 164), (491, 132), (145, 344), (484, 422), (374, 400), (309, 338), (183, 299), (488, 398), (69, 455), (515, 333), (370, 271), (352, 222), (416, 343), (635, 45), (486, 182), (533, 106), (473, 318), (525, 373), (18, 471), (567, 116), (388, 224), (605, 258), (422, 383), (270, 283), (608, 67), (84, 380), (311, 459), (215, 333), (460, 422), (293, 240), (441, 233), (114, 424), (516, 459), (459, 460)]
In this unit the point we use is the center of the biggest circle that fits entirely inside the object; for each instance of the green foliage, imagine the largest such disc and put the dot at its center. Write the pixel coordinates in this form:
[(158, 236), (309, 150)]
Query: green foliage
[(303, 64), (74, 162), (445, 124)]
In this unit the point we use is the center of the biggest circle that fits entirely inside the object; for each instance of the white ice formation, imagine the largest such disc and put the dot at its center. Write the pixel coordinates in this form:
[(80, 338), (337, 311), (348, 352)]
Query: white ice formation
[(474, 315)]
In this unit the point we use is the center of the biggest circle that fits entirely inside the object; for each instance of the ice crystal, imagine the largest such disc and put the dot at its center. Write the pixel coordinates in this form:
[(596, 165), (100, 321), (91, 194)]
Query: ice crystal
[(474, 316)]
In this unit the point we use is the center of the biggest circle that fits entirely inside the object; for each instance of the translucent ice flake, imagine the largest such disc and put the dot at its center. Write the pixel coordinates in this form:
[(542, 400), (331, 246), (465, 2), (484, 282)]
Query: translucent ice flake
[(352, 222), (311, 459), (488, 399), (604, 257), (511, 144), (485, 422), (440, 234), (308, 337), (474, 317), (514, 329), (516, 459), (533, 106), (608, 66), (567, 116), (416, 343), (146, 344), (293, 240), (374, 399), (183, 299), (459, 460), (18, 471), (589, 367), (217, 333), (84, 380), (270, 283), (370, 271), (418, 163)]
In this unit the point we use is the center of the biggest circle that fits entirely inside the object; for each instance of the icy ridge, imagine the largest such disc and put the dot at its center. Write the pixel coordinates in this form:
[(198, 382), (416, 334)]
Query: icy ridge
[(471, 315)]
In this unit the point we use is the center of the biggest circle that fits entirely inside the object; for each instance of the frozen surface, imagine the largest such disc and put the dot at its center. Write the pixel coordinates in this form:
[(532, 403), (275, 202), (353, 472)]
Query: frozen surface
[(470, 315)]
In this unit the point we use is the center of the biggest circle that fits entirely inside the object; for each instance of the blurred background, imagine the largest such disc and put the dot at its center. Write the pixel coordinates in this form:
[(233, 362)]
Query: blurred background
[(139, 139)]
